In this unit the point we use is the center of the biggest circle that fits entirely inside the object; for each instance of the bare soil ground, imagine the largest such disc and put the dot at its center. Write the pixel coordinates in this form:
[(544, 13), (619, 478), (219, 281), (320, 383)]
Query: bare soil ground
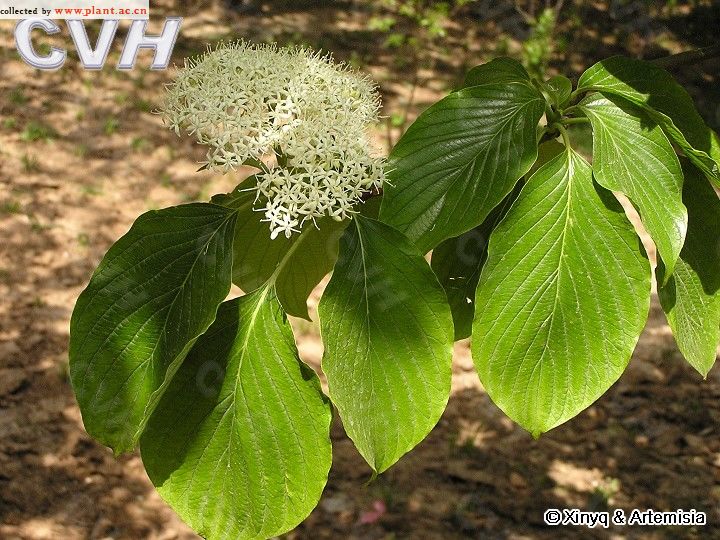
[(81, 156)]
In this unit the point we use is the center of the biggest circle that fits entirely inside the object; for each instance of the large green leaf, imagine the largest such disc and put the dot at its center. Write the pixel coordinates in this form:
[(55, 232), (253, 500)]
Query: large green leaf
[(296, 264), (457, 263), (498, 70), (632, 155), (239, 445), (459, 159), (653, 89), (154, 293), (559, 88), (691, 298), (388, 338), (546, 151), (562, 298)]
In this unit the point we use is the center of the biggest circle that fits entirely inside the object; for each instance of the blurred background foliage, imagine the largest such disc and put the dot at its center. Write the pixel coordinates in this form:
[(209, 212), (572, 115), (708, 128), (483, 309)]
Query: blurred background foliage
[(426, 44)]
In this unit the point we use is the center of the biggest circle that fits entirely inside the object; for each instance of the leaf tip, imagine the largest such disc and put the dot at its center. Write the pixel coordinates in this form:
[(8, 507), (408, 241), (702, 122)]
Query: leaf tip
[(372, 478), (701, 366), (704, 371), (118, 449)]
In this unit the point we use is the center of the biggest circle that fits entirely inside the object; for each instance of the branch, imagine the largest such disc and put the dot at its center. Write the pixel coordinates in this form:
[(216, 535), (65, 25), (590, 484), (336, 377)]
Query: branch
[(688, 57)]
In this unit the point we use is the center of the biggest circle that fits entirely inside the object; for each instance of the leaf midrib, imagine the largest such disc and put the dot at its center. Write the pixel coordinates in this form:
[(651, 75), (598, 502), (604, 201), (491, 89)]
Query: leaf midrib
[(652, 112), (458, 171), (368, 346), (152, 402), (168, 306)]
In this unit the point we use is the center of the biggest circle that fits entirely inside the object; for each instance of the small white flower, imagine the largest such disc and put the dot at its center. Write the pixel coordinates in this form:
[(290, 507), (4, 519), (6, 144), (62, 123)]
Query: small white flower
[(246, 102)]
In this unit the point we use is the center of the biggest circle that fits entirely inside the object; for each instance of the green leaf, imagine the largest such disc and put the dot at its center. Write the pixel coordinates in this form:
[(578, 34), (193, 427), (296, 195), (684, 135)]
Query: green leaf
[(664, 100), (296, 264), (388, 338), (560, 88), (562, 298), (546, 151), (632, 155), (691, 298), (459, 159), (309, 257), (499, 70), (457, 263), (154, 293), (239, 445), (371, 207), (714, 153)]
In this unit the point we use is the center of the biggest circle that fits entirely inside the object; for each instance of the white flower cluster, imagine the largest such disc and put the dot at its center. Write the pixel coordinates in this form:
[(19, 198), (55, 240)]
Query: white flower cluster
[(250, 102)]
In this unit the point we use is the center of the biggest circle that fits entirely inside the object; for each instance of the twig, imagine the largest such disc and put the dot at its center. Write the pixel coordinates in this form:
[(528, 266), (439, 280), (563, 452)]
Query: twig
[(406, 109), (529, 19), (411, 98), (556, 7), (688, 57)]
